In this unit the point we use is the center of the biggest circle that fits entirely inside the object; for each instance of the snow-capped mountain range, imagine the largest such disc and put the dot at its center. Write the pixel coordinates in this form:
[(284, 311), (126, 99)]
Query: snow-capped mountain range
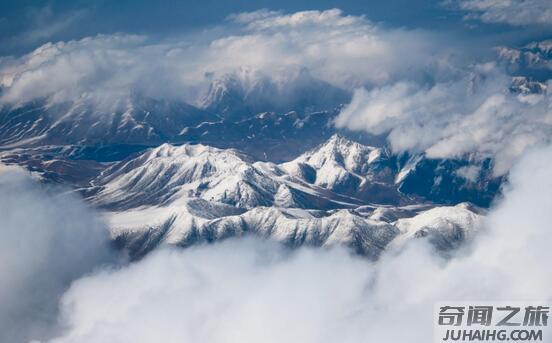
[(246, 92), (342, 192), (336, 174), (533, 59), (134, 120), (260, 155), (314, 187)]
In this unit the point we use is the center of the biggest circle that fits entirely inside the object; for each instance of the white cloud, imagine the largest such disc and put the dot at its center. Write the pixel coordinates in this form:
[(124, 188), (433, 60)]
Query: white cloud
[(263, 19), (513, 12), (470, 173), (238, 291), (251, 291), (103, 67), (346, 51), (46, 241), (475, 115)]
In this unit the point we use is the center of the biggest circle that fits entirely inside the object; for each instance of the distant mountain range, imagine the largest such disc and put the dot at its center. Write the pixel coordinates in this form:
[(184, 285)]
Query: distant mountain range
[(256, 155), (340, 192), (135, 120), (244, 93), (532, 61)]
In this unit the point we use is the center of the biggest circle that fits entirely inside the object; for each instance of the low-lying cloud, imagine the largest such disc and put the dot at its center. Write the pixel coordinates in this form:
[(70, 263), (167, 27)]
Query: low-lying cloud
[(46, 241), (475, 116), (251, 291), (344, 50)]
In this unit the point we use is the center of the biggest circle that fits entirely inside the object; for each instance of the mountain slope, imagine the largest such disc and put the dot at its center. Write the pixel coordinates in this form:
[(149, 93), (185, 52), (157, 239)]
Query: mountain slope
[(144, 229), (349, 168), (167, 174), (134, 120), (246, 92), (190, 194)]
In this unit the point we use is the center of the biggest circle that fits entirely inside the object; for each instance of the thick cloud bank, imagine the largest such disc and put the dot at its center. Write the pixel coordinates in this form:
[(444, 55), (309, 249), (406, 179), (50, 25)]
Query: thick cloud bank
[(513, 12), (46, 241), (411, 84), (476, 115), (344, 50), (251, 291)]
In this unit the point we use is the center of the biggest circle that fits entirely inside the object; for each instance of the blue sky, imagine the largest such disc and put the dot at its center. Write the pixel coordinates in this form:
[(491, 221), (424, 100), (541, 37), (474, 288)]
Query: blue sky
[(26, 24)]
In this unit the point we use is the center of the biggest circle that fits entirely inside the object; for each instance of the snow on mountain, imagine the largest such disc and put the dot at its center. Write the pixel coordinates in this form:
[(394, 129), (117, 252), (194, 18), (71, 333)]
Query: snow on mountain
[(149, 226), (167, 173), (350, 168), (134, 120), (447, 226), (532, 61), (292, 227), (534, 55), (189, 194), (143, 230), (334, 162), (524, 85), (373, 175), (247, 92), (337, 174)]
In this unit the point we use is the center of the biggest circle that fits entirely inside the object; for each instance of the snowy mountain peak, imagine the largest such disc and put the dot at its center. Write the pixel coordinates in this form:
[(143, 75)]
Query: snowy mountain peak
[(532, 61), (343, 152), (180, 153), (245, 92), (330, 195), (338, 164), (131, 120), (169, 173)]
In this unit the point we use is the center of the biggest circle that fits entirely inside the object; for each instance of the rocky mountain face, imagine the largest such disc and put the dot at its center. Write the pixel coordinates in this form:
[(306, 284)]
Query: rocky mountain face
[(366, 232), (195, 193), (244, 93), (168, 173), (135, 120), (244, 161), (532, 60), (337, 173)]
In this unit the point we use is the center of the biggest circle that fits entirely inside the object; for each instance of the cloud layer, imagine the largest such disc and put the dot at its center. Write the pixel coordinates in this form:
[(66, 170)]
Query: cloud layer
[(475, 115), (46, 241), (345, 51), (410, 84), (251, 291)]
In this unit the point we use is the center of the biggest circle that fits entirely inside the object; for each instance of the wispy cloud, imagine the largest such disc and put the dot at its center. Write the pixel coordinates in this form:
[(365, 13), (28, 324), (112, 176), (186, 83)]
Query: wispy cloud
[(475, 115), (513, 12)]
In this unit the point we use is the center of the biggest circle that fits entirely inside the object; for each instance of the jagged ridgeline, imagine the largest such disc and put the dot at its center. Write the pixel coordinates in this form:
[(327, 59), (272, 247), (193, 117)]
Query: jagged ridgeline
[(241, 162)]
